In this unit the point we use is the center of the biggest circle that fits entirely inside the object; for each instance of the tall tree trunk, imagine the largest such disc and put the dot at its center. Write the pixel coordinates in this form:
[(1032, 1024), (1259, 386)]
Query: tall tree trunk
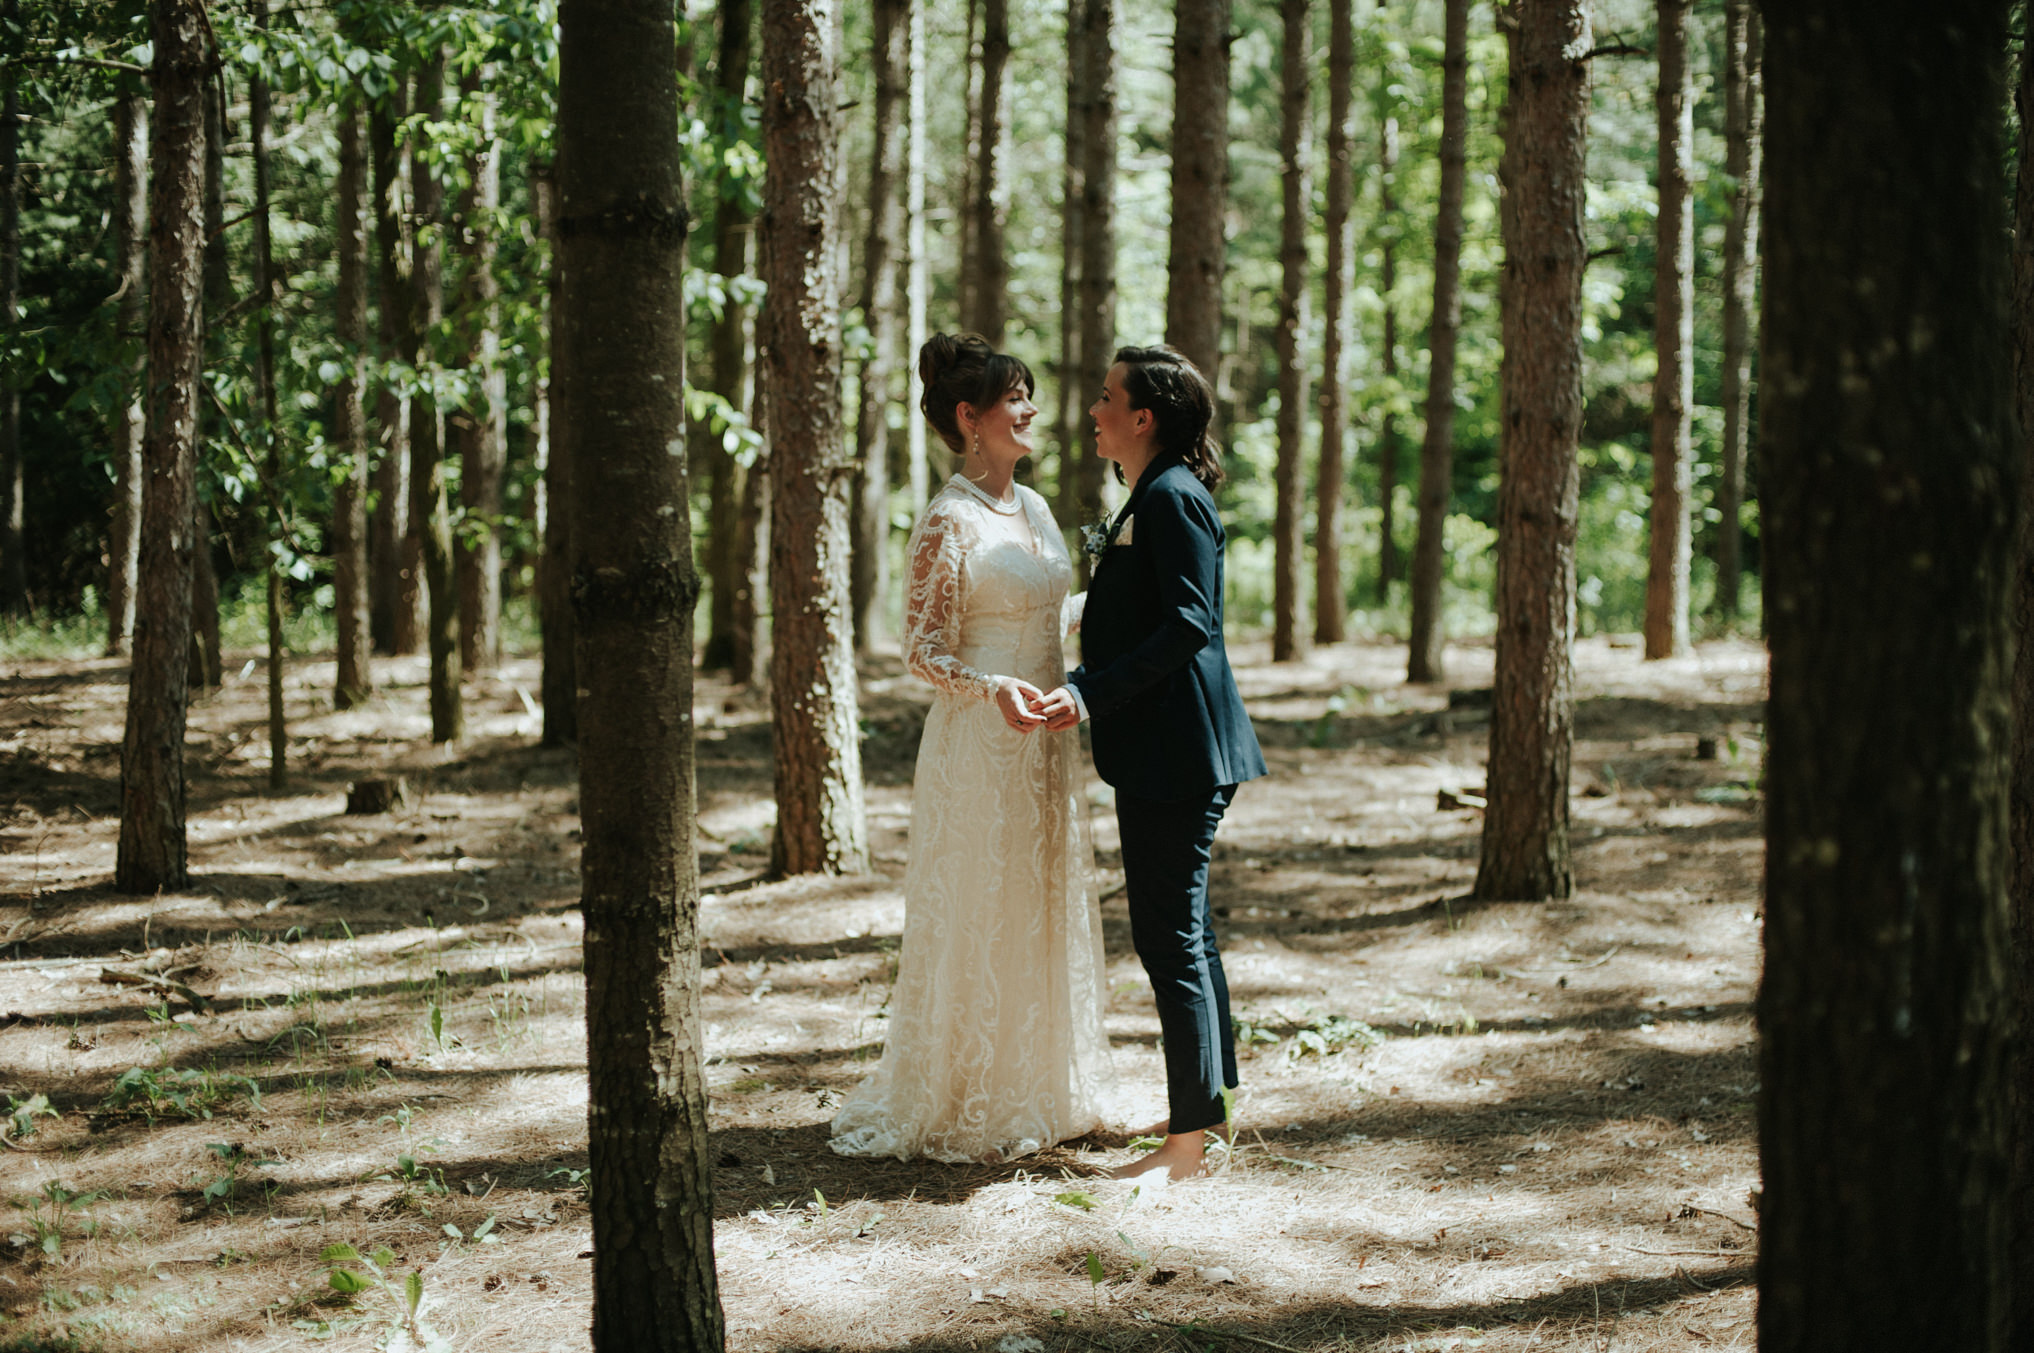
[(430, 512), (991, 290), (396, 588), (1200, 181), (2021, 811), (1427, 659), (265, 398), (560, 680), (749, 661), (871, 518), (1098, 240), (1287, 531), (1387, 359), (1334, 399), (480, 429), (918, 284), (728, 372), (965, 274), (353, 680), (152, 851), (13, 560), (821, 823), (620, 381), (1743, 132), (1532, 725), (130, 245), (1674, 344), (203, 660), (1072, 185), (1888, 489)]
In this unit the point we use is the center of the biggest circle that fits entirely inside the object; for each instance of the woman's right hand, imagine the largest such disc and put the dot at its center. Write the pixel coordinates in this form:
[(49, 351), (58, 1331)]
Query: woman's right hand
[(1014, 701)]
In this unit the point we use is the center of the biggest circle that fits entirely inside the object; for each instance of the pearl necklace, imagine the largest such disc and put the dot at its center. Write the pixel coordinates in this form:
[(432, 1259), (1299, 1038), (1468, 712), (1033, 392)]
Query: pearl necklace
[(995, 505)]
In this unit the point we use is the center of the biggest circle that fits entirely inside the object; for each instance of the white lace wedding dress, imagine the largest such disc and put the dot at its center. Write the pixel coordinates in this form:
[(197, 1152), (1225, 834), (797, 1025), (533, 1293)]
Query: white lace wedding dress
[(994, 1044)]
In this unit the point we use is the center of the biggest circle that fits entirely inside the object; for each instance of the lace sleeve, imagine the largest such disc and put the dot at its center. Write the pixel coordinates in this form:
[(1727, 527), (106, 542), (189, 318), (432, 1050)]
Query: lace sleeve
[(932, 609), (1071, 610)]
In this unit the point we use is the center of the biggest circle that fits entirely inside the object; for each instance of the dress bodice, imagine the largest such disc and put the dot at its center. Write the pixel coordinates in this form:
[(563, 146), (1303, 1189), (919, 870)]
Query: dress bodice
[(987, 592)]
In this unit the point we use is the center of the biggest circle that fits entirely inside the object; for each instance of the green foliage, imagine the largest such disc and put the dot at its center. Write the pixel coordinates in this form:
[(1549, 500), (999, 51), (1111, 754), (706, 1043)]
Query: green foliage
[(190, 1092), (352, 1275), (47, 1214)]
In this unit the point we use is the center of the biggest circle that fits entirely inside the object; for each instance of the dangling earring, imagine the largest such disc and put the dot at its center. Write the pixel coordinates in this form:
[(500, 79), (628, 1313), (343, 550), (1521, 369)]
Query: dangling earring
[(975, 449)]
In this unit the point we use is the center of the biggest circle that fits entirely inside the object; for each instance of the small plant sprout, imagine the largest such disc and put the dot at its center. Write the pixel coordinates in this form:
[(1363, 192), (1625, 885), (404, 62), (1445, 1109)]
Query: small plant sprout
[(351, 1273), (47, 1214), (22, 1113)]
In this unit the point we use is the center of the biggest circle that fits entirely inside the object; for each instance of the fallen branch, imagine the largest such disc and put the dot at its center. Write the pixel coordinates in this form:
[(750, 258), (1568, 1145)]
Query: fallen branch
[(123, 978), (1711, 1212)]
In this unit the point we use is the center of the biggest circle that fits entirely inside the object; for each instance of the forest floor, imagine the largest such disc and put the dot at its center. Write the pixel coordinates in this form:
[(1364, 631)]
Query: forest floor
[(376, 1039)]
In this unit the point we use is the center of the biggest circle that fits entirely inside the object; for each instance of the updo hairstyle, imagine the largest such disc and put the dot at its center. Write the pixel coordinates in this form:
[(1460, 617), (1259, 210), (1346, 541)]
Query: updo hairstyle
[(1165, 381), (960, 369)]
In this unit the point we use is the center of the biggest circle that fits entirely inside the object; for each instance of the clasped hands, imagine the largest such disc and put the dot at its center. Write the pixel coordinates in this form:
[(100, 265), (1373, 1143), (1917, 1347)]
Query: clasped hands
[(1025, 708)]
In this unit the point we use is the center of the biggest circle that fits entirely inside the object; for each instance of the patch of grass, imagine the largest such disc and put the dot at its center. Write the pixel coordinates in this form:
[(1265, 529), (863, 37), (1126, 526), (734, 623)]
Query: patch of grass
[(190, 1091)]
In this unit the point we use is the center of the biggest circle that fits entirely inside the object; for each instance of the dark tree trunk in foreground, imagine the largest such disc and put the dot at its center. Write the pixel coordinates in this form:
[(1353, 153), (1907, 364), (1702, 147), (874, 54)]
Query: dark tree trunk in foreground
[(2021, 820), (1289, 544), (265, 397), (560, 682), (1888, 486), (1744, 131), (871, 519), (1200, 180), (152, 851), (1097, 314), (480, 429), (430, 512), (395, 590), (1525, 830), (727, 373), (1674, 344), (130, 245), (621, 319), (1334, 396), (990, 291), (203, 658), (354, 678), (821, 825), (13, 563), (1387, 357), (1429, 641)]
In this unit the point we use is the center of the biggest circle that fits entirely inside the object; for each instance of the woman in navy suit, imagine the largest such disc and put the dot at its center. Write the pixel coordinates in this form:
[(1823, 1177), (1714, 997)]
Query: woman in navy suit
[(1169, 729)]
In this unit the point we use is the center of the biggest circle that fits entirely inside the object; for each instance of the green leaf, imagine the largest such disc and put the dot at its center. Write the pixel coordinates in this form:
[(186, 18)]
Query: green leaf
[(384, 1256), (820, 1198), (480, 1231), (346, 1280), (454, 1231), (1075, 1198), (413, 1286), (438, 1024), (1095, 1271), (338, 1254)]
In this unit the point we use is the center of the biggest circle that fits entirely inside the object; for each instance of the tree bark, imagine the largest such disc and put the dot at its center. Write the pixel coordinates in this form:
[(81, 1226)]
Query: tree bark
[(1387, 359), (152, 851), (396, 588), (1200, 181), (1743, 119), (560, 680), (1889, 486), (353, 679), (203, 658), (728, 372), (265, 398), (1072, 187), (821, 823), (918, 284), (1097, 314), (1333, 397), (871, 517), (1525, 830), (2021, 811), (1287, 530), (1666, 625), (965, 280), (13, 560), (480, 428), (130, 246), (1429, 641), (619, 383), (991, 272), (430, 514)]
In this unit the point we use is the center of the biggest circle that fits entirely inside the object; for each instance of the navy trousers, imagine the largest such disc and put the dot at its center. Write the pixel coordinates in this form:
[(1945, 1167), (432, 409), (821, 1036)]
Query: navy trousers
[(1166, 844)]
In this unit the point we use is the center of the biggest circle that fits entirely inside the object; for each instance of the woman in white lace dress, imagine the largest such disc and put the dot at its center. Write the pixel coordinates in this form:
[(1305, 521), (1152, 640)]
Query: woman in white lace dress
[(995, 1046)]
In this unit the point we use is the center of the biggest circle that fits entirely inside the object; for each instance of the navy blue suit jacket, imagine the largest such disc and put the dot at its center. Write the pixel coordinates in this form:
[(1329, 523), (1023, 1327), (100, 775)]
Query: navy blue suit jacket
[(1166, 719)]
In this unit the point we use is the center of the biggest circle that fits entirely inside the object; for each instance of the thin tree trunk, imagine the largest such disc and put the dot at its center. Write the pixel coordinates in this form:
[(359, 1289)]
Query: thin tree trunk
[(13, 560), (1098, 241), (1289, 513), (966, 284), (728, 370), (152, 851), (1428, 647), (395, 590), (918, 286), (130, 245), (821, 823), (480, 429), (1743, 117), (1889, 484), (871, 517), (265, 293), (1525, 831), (204, 662), (620, 382), (430, 512), (560, 680), (749, 662), (2021, 794), (1200, 181), (1334, 400), (1387, 359), (1072, 186), (353, 680), (1674, 344), (991, 267)]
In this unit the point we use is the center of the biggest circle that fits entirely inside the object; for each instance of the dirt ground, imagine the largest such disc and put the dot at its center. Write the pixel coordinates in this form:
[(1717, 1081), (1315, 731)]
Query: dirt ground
[(1462, 1125)]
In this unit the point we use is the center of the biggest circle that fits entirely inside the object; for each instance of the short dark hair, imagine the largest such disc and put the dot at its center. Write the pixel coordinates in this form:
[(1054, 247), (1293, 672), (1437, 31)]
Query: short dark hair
[(1165, 381), (963, 369)]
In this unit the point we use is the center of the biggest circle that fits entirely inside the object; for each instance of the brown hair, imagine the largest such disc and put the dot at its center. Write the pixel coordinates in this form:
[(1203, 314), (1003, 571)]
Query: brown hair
[(1165, 381), (963, 369)]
